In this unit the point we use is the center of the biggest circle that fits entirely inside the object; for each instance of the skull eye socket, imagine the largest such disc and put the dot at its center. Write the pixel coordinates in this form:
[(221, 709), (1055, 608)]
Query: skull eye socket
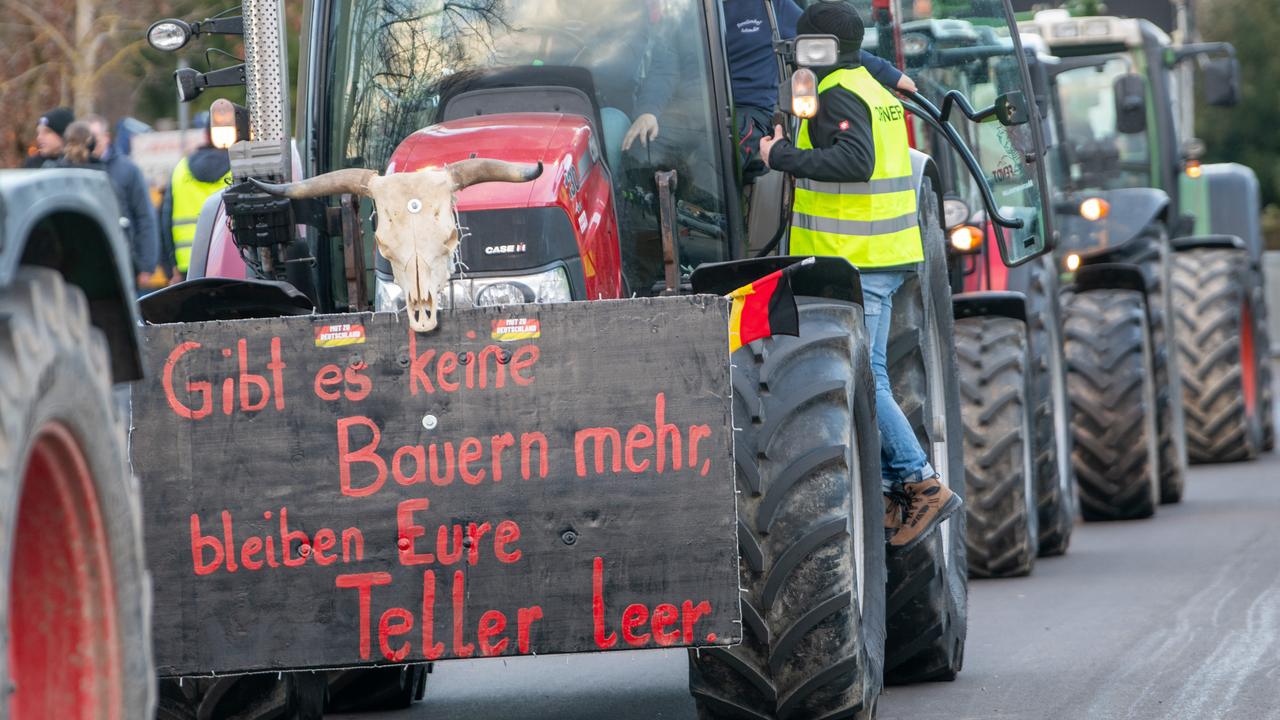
[(415, 205)]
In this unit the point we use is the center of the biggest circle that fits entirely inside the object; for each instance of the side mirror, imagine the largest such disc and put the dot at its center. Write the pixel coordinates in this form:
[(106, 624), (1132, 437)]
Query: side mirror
[(1131, 104), (1222, 82), (1012, 109)]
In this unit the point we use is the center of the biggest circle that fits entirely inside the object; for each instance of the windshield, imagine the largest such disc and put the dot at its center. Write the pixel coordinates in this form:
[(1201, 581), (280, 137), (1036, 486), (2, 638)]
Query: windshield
[(965, 45), (395, 64), (1097, 155)]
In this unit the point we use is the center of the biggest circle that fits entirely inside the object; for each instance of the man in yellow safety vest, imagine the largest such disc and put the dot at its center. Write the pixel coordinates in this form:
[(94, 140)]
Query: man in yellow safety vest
[(196, 177), (855, 198)]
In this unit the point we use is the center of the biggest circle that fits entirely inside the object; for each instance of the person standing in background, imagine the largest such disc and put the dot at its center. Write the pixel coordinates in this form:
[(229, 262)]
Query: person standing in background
[(135, 201), (49, 130), (196, 177)]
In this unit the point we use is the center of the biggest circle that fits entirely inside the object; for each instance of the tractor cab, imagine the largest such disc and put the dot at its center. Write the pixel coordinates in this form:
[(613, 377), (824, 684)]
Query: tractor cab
[(604, 93)]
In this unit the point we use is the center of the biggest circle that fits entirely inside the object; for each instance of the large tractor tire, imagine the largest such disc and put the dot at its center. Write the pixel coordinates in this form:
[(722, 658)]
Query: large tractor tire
[(393, 687), (810, 529), (1109, 380), (263, 696), (1222, 362), (929, 585), (999, 477), (74, 592), (1262, 338), (1055, 482), (1152, 254)]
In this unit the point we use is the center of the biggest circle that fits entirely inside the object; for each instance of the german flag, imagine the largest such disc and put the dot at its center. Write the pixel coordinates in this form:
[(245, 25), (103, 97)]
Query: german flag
[(765, 307)]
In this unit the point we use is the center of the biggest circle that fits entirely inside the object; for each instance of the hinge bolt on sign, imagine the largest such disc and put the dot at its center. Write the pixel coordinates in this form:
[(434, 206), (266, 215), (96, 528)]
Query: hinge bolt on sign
[(429, 421)]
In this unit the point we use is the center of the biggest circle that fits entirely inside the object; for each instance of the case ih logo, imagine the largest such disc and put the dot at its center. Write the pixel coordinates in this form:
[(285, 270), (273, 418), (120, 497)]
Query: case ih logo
[(514, 329), (339, 335), (504, 249)]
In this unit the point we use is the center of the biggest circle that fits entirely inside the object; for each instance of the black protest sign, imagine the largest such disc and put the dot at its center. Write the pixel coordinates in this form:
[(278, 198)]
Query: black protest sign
[(336, 490)]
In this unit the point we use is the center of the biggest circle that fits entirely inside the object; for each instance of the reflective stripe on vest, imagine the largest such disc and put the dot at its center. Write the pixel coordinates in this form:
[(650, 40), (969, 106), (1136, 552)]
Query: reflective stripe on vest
[(189, 195), (872, 224)]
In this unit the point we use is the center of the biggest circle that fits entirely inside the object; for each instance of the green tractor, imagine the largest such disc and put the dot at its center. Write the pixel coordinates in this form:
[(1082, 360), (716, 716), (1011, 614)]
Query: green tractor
[(1144, 296)]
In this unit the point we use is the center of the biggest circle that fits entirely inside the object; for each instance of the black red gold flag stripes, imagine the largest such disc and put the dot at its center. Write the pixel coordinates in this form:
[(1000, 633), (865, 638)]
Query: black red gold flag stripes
[(765, 307)]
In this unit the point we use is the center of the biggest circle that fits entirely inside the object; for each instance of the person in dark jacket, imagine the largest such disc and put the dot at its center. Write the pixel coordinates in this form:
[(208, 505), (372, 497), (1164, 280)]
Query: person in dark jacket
[(856, 198), (135, 200), (49, 130), (753, 72), (196, 177)]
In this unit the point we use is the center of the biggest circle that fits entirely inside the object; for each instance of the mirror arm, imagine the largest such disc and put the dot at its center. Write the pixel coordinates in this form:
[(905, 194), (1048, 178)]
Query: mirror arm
[(921, 107), (218, 26), (1186, 52)]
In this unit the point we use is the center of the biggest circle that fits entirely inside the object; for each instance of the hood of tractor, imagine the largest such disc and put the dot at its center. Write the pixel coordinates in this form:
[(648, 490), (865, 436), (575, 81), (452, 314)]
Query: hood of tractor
[(564, 218), (1130, 211), (556, 140)]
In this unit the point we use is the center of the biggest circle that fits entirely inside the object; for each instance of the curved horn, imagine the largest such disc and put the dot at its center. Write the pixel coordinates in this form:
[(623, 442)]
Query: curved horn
[(465, 173), (350, 180)]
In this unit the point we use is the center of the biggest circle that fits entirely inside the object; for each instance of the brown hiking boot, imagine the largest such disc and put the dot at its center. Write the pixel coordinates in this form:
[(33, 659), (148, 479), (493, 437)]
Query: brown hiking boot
[(931, 503), (895, 506)]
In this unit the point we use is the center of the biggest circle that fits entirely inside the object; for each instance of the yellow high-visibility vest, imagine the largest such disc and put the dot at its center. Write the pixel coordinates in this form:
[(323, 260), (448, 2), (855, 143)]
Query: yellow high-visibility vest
[(872, 224), (189, 195)]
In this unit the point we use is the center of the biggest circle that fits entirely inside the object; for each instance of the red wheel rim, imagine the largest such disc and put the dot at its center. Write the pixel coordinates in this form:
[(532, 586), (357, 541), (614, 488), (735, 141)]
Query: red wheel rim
[(1248, 361), (64, 651)]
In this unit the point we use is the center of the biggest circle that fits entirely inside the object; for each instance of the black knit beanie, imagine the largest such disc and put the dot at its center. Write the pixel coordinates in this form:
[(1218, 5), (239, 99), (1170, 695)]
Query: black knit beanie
[(839, 18)]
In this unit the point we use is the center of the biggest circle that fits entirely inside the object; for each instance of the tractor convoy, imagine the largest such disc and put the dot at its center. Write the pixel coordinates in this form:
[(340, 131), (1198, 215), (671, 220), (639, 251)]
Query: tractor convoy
[(495, 218)]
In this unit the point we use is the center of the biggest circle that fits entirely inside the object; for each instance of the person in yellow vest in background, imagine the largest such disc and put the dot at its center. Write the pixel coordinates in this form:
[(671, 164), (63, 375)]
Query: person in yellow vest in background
[(855, 198), (196, 177)]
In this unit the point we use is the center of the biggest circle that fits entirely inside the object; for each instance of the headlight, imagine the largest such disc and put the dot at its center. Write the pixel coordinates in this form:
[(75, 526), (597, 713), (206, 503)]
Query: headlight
[(804, 93), (504, 293), (817, 50), (1094, 209), (954, 213), (966, 239), (551, 286), (168, 35), (387, 296), (1073, 262)]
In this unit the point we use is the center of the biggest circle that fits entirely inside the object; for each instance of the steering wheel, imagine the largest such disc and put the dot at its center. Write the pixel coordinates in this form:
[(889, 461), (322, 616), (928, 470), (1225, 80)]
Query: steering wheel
[(546, 33)]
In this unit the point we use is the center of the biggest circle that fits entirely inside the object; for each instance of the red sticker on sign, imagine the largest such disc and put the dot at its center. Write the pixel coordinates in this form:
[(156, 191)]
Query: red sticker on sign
[(339, 335), (513, 329)]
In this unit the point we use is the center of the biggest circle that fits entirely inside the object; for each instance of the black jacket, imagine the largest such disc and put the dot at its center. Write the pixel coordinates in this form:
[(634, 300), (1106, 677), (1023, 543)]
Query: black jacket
[(135, 204), (843, 149)]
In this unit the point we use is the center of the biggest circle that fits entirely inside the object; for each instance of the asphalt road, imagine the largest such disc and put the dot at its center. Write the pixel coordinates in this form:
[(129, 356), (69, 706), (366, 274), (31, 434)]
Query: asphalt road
[(1175, 617)]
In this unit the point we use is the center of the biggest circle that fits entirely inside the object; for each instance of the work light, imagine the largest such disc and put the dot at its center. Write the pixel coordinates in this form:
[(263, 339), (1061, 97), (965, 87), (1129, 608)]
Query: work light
[(168, 35)]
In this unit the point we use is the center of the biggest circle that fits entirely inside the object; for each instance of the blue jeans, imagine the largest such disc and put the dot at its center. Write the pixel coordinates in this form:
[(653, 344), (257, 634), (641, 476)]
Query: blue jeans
[(901, 458)]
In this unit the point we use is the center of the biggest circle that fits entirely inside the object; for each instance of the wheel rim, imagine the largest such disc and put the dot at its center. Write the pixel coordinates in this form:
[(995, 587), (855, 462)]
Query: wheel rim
[(64, 654), (1248, 361)]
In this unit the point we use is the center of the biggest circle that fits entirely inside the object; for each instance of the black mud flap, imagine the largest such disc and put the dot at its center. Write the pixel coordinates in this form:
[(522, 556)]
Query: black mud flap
[(1196, 242), (1119, 276), (833, 278), (985, 304), (213, 298)]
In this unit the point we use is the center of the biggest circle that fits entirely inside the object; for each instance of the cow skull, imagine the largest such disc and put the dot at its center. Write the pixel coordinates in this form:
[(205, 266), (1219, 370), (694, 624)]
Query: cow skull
[(417, 229)]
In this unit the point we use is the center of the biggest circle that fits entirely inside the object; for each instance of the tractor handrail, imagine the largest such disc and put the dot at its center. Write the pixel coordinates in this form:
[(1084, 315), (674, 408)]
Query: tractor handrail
[(920, 106)]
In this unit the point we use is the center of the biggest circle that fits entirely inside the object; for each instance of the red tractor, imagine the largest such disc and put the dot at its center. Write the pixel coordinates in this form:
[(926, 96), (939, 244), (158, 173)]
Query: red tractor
[(626, 106)]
